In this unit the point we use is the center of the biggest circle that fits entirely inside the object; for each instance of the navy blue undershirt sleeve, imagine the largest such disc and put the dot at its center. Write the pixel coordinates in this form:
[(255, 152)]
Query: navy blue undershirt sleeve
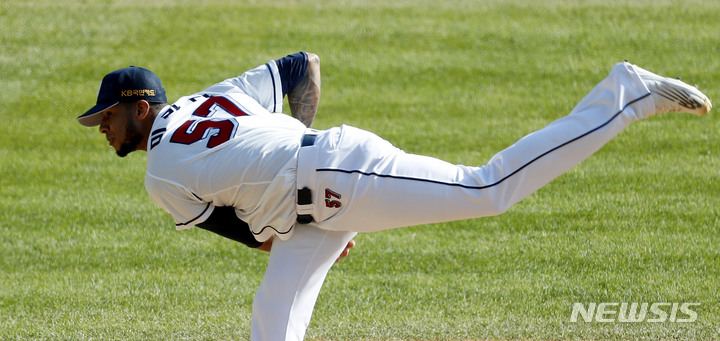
[(292, 70), (224, 222)]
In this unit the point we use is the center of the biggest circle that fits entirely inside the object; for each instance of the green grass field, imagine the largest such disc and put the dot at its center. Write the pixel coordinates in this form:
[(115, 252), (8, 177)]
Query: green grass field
[(85, 255)]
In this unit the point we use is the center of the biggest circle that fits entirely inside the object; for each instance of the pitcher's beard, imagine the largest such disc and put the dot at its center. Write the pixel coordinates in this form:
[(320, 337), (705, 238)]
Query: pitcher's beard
[(130, 144)]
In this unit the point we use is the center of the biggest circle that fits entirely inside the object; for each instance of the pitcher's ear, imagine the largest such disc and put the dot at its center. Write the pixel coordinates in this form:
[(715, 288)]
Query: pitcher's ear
[(143, 108)]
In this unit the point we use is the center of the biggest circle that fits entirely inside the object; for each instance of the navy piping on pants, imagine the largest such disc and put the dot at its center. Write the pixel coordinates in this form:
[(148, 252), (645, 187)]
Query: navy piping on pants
[(499, 181)]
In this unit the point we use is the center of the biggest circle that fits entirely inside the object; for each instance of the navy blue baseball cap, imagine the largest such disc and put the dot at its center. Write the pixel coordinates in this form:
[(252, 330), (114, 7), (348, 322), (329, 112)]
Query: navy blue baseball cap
[(129, 84)]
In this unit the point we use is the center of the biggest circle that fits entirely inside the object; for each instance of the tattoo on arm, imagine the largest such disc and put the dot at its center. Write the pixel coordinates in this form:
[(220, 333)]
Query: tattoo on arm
[(304, 98)]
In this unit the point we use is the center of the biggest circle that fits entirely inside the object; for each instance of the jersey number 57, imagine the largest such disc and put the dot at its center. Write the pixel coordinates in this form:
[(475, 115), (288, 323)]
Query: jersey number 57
[(220, 130)]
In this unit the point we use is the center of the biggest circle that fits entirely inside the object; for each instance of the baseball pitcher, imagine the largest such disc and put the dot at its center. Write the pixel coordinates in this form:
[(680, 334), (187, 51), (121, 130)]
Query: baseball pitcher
[(226, 159)]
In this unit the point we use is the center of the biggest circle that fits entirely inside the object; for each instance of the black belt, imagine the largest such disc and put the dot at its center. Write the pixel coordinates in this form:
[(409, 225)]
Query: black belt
[(308, 140), (304, 195)]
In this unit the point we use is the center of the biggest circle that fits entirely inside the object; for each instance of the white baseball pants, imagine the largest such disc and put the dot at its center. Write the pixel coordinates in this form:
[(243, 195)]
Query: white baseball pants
[(362, 184)]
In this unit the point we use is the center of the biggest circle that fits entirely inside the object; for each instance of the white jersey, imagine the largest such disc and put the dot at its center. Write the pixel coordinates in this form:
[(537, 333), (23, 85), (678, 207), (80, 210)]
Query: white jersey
[(228, 145)]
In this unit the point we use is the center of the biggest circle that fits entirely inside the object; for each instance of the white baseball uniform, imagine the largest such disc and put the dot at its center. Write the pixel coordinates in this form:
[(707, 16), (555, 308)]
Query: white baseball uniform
[(224, 147)]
